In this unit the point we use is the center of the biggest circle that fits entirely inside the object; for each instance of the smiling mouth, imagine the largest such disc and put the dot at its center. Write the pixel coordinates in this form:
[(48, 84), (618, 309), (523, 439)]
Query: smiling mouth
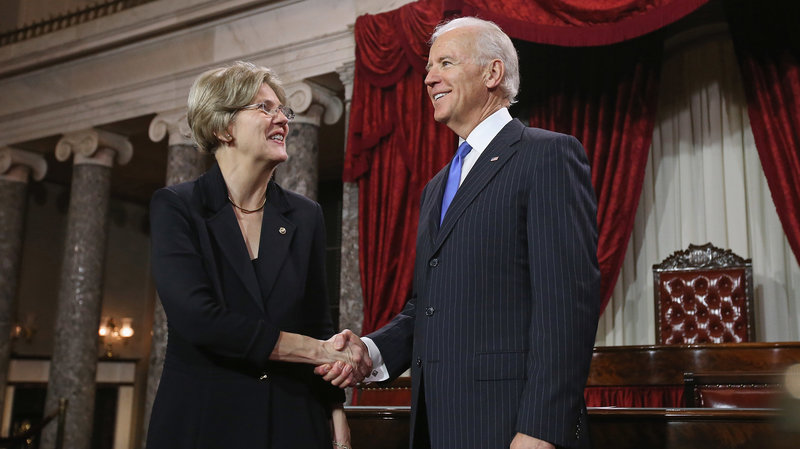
[(439, 95), (277, 137)]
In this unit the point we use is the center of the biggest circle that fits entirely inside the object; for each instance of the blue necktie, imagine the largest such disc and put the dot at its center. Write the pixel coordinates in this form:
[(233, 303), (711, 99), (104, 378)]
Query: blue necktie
[(454, 177)]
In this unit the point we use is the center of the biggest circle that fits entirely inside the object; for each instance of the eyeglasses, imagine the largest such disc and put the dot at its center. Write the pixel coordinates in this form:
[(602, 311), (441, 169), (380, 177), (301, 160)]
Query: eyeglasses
[(285, 110)]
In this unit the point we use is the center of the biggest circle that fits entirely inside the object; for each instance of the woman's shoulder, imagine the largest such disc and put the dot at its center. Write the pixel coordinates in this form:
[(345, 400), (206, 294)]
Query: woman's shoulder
[(182, 197), (294, 199), (183, 190)]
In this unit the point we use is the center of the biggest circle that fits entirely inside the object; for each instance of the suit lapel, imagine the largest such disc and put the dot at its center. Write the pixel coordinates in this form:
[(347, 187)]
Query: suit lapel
[(222, 225), (432, 208), (277, 232), (493, 158)]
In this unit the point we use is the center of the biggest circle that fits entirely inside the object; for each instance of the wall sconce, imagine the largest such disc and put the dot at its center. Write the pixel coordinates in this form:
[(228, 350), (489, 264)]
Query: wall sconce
[(111, 332), (24, 330)]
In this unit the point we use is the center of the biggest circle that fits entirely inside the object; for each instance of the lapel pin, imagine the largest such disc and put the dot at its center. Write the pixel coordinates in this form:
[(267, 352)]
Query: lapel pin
[(494, 158), (282, 230)]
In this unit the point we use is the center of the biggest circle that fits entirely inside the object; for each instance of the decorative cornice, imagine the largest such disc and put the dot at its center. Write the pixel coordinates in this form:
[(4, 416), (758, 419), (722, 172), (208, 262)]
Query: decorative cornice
[(144, 22), (86, 107), (301, 96), (34, 164), (79, 16), (85, 145), (702, 256), (173, 123)]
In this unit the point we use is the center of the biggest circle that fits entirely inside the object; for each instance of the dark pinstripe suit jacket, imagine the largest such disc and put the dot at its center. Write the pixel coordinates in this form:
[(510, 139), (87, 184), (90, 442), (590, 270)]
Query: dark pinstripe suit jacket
[(501, 324)]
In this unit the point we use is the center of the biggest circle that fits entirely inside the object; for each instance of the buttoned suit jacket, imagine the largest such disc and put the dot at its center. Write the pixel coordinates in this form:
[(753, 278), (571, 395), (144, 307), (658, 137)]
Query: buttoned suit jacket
[(501, 322), (218, 387)]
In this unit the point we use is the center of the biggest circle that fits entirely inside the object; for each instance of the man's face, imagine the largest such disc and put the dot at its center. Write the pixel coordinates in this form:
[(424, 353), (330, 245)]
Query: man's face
[(455, 82)]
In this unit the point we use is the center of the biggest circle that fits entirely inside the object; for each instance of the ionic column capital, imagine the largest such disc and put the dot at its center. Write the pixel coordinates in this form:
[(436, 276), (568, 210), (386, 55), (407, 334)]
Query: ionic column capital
[(303, 96), (175, 124), (94, 146), (16, 165)]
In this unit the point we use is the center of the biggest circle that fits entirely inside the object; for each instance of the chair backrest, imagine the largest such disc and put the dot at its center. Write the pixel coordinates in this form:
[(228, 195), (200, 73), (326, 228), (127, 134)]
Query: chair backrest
[(704, 295)]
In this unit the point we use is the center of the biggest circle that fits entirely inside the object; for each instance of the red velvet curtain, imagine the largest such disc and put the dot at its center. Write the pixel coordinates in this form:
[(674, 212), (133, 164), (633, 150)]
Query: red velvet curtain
[(607, 98), (635, 396), (576, 23), (767, 43), (394, 148)]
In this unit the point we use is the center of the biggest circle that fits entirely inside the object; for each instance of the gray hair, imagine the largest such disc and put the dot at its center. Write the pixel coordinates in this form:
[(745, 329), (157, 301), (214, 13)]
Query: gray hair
[(218, 94), (492, 43)]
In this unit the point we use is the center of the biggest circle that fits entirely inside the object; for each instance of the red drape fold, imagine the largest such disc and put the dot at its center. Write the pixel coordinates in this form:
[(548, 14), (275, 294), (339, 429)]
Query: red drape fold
[(607, 98), (394, 148), (576, 23), (767, 43)]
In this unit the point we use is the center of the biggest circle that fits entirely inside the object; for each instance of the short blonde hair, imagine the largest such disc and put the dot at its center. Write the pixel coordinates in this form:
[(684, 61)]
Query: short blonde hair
[(218, 94)]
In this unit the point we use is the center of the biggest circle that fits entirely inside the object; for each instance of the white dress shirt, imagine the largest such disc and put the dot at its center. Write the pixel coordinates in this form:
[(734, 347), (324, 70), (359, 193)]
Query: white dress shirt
[(478, 139)]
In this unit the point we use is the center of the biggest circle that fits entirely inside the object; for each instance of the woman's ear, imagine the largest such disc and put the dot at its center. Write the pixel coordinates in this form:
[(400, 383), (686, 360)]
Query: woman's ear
[(225, 138)]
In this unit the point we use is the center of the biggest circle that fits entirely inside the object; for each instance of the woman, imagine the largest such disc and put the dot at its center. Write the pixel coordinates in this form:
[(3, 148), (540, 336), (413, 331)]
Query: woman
[(239, 267)]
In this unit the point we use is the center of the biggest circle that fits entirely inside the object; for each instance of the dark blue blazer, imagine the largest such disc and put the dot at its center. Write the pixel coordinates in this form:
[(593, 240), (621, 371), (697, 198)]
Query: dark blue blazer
[(219, 388), (502, 319)]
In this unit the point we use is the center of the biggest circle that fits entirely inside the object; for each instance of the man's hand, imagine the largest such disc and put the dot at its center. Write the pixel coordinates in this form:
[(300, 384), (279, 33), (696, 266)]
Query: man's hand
[(522, 441), (356, 366)]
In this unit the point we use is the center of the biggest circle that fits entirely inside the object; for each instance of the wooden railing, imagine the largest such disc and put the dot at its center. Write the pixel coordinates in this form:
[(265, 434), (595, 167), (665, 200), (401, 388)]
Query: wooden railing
[(68, 19), (620, 428), (26, 438)]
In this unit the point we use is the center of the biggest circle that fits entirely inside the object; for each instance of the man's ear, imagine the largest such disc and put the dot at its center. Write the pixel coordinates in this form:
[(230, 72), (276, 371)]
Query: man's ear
[(495, 72)]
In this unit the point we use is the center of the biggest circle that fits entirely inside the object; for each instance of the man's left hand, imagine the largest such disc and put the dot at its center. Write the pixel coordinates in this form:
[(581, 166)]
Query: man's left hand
[(522, 441)]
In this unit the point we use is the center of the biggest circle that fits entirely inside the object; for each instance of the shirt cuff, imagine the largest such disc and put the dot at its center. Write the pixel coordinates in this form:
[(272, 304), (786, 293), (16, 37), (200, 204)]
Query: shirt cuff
[(379, 371)]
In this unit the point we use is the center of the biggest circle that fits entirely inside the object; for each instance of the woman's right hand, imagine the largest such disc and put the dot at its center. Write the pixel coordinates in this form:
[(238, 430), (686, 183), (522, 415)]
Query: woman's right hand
[(349, 360), (342, 360)]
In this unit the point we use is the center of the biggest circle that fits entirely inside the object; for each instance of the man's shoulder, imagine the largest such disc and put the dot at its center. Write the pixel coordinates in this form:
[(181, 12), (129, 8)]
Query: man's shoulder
[(534, 133), (516, 131)]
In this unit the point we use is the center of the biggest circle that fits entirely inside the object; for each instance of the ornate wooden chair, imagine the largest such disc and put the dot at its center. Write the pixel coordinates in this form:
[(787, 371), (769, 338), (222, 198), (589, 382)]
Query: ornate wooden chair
[(704, 295)]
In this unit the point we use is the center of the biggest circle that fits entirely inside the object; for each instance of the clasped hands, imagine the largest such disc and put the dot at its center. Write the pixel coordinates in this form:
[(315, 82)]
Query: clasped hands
[(348, 360)]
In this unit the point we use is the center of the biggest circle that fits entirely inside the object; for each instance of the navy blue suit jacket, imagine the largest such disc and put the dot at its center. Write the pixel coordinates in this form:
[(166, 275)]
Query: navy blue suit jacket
[(219, 388), (503, 315)]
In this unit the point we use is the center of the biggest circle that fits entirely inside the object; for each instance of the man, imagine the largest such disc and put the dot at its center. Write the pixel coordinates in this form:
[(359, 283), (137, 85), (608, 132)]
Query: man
[(501, 323)]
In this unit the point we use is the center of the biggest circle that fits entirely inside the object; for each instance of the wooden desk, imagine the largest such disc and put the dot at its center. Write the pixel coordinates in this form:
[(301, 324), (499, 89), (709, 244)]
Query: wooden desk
[(645, 376), (642, 428), (653, 376), (665, 365), (615, 428), (379, 427)]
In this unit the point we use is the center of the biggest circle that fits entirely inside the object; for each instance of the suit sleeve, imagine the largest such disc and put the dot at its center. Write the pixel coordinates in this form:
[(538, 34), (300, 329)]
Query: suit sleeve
[(565, 286), (395, 341), (187, 294)]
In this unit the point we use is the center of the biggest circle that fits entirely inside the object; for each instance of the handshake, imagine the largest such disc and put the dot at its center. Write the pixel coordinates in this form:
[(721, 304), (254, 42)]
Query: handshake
[(345, 360)]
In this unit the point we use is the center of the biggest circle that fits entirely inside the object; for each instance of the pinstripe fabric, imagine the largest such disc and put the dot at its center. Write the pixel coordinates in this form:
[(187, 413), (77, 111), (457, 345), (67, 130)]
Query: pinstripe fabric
[(502, 320)]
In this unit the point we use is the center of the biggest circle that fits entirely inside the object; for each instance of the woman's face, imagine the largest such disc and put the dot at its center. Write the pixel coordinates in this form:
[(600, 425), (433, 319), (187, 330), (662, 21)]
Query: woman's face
[(259, 135)]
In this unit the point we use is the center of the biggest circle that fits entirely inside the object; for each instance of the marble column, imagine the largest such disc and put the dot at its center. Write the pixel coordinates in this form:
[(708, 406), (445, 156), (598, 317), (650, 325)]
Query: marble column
[(351, 301), (73, 367), (184, 163), (312, 104), (16, 167)]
